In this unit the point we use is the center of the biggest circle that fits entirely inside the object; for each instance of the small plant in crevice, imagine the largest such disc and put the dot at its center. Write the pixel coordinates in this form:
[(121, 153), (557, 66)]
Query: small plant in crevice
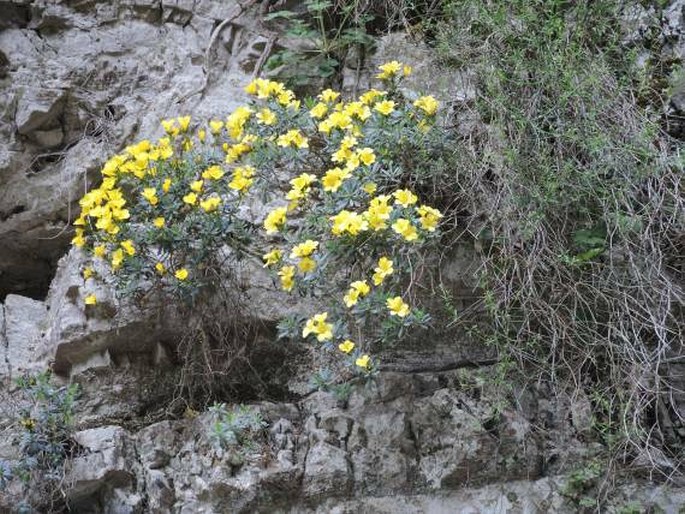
[(326, 33), (45, 419), (238, 428), (581, 486)]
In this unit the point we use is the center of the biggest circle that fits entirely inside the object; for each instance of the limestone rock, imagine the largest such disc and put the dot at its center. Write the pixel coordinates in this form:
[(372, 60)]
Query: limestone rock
[(24, 328), (107, 461), (95, 336)]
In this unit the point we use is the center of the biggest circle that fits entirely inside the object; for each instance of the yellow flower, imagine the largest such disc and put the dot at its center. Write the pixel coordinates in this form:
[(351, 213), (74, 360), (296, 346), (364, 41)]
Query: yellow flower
[(201, 135), (150, 194), (328, 95), (358, 289), (266, 117), (385, 107), (357, 110), (318, 326), (367, 156), (303, 181), (404, 197), (292, 138), (389, 70), (370, 188), (397, 307), (406, 70), (213, 173), (211, 204), (427, 104), (91, 299), (342, 154), (351, 298), (78, 241), (196, 186), (348, 222), (318, 111), (170, 127), (87, 272), (304, 249), (338, 120), (117, 258), (183, 122), (159, 222), (287, 274), (215, 126), (287, 98), (160, 268), (383, 270), (346, 346), (181, 274), (272, 257), (128, 247), (236, 121), (275, 220), (404, 228), (378, 212), (190, 199), (361, 286), (99, 251), (334, 178), (370, 96), (306, 265), (363, 362), (429, 217), (166, 185), (164, 149)]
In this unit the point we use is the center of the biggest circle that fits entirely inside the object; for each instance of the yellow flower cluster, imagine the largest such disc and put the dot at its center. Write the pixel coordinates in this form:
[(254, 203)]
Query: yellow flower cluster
[(427, 104), (154, 190), (242, 179), (347, 222), (303, 251), (293, 138), (105, 208), (301, 186), (265, 89), (383, 270)]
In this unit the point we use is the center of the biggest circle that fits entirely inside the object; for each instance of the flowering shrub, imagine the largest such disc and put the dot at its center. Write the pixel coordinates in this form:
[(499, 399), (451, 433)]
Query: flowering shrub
[(343, 225)]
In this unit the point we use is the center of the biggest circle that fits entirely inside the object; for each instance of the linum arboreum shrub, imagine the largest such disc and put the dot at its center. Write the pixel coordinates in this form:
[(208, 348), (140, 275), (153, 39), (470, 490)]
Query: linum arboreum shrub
[(344, 224)]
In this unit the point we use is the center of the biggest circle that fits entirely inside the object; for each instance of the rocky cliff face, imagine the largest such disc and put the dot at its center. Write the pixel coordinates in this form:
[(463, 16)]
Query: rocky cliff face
[(81, 79)]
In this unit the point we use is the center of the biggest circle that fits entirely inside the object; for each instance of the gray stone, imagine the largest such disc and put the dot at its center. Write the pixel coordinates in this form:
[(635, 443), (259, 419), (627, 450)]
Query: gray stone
[(107, 461), (326, 471), (24, 327)]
